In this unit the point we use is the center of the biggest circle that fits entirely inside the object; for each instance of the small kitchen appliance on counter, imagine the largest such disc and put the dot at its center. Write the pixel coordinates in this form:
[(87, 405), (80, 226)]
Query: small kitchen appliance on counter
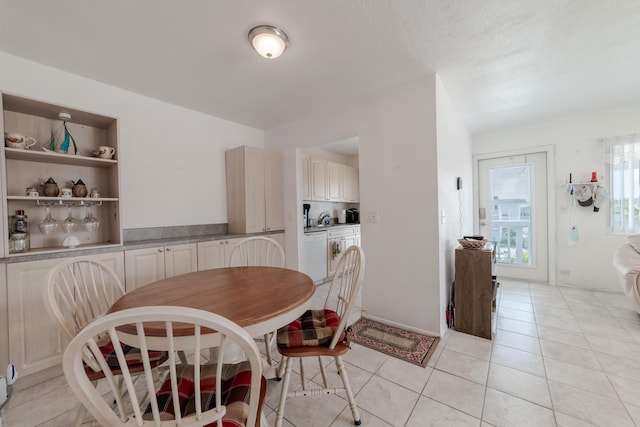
[(342, 216), (305, 215), (353, 216)]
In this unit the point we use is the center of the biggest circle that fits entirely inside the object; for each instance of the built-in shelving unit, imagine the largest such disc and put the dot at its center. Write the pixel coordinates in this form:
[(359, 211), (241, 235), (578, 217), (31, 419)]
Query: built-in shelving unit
[(30, 168)]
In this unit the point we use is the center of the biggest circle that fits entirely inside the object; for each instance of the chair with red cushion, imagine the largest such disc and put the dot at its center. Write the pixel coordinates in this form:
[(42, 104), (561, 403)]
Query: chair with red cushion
[(80, 290), (188, 395), (323, 333)]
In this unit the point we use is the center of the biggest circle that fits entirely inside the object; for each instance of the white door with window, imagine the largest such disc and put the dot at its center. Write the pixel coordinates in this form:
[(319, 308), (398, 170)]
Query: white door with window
[(512, 201)]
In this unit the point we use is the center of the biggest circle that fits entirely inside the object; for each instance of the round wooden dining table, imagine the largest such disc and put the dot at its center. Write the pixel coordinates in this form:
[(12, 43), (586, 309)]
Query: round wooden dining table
[(259, 299)]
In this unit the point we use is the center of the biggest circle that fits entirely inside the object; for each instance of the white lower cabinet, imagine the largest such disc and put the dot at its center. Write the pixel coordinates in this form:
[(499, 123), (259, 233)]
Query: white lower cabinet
[(339, 240), (278, 238), (34, 341), (215, 253), (143, 266)]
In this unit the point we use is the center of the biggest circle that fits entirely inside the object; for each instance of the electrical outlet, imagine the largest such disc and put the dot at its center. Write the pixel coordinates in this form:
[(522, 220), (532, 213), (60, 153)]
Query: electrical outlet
[(372, 217)]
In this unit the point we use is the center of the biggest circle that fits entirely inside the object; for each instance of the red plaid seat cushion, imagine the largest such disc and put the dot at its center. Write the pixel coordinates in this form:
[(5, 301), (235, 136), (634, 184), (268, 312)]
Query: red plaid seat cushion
[(131, 354), (313, 328), (236, 389)]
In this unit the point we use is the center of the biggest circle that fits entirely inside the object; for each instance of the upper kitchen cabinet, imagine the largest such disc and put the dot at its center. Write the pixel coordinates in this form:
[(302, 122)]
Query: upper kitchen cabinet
[(305, 165), (325, 180), (351, 184), (255, 190), (330, 181), (318, 175), (92, 217)]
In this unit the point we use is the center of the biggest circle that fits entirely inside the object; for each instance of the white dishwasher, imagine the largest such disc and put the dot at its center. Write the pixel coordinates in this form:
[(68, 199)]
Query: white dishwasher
[(314, 256)]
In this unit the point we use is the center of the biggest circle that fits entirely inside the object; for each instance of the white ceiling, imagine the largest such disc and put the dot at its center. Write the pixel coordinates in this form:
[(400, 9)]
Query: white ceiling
[(504, 62)]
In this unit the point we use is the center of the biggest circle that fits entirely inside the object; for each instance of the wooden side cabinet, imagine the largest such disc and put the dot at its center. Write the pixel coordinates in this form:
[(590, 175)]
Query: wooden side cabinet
[(475, 290)]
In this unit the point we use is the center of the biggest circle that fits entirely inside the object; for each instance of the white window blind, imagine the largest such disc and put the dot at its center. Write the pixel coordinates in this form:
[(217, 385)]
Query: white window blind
[(623, 157)]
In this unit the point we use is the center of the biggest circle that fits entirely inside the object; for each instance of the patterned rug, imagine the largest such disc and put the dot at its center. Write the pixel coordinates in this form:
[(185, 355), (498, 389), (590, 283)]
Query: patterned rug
[(405, 345)]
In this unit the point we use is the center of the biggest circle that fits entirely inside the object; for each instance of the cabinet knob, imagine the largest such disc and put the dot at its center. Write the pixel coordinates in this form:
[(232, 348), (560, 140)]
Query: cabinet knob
[(168, 249), (161, 250)]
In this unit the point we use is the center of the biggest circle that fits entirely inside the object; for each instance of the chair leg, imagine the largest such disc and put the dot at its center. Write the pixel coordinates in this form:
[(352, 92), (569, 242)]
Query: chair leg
[(82, 412), (283, 364), (302, 378), (323, 372), (267, 347), (347, 388), (285, 389)]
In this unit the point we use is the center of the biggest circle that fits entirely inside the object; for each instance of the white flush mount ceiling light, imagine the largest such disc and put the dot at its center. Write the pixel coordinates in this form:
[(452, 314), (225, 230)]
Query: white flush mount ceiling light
[(268, 41)]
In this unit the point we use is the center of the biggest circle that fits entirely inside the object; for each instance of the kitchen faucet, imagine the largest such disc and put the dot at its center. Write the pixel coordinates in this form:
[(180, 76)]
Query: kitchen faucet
[(322, 216)]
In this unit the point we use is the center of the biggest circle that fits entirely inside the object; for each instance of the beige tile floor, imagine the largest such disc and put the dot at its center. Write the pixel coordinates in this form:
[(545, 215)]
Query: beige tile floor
[(561, 356)]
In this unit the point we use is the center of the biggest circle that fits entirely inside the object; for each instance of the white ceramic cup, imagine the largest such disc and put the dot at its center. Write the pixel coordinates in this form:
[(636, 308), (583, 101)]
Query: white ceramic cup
[(106, 152), (66, 192), (18, 140), (32, 192)]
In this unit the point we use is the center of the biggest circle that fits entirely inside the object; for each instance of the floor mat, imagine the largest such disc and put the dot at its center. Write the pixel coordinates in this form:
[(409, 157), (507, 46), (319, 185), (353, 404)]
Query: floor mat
[(406, 345)]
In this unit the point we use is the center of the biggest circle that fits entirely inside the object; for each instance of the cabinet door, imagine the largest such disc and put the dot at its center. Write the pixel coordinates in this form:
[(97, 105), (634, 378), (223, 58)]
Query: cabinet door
[(34, 341), (273, 191), (318, 179), (335, 179), (115, 260), (279, 237), (332, 258), (211, 254), (351, 185), (143, 266), (305, 165), (180, 259), (254, 173), (348, 242), (355, 184)]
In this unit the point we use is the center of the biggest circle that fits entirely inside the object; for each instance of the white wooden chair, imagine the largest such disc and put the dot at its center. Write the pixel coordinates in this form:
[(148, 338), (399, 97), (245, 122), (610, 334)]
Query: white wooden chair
[(78, 291), (259, 251), (325, 334), (187, 395)]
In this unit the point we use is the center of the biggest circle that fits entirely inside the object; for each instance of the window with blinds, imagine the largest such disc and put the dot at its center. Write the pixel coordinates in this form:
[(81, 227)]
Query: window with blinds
[(623, 158)]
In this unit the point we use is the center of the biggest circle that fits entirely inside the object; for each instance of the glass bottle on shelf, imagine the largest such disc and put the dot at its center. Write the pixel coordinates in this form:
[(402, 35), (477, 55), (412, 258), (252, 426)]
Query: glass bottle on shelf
[(20, 224), (19, 240)]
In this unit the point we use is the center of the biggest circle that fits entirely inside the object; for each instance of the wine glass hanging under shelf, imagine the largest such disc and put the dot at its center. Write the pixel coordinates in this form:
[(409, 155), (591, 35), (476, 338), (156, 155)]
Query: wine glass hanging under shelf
[(68, 202)]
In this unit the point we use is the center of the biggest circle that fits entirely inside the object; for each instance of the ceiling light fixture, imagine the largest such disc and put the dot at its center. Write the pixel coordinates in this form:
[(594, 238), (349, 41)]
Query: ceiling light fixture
[(268, 41)]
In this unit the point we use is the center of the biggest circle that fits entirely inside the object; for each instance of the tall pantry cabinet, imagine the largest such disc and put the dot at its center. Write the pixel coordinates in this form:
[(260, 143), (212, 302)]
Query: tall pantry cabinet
[(255, 190)]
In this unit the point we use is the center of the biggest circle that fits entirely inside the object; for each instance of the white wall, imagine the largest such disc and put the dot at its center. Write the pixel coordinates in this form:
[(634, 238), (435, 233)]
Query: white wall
[(454, 160), (578, 151), (172, 158), (398, 180)]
